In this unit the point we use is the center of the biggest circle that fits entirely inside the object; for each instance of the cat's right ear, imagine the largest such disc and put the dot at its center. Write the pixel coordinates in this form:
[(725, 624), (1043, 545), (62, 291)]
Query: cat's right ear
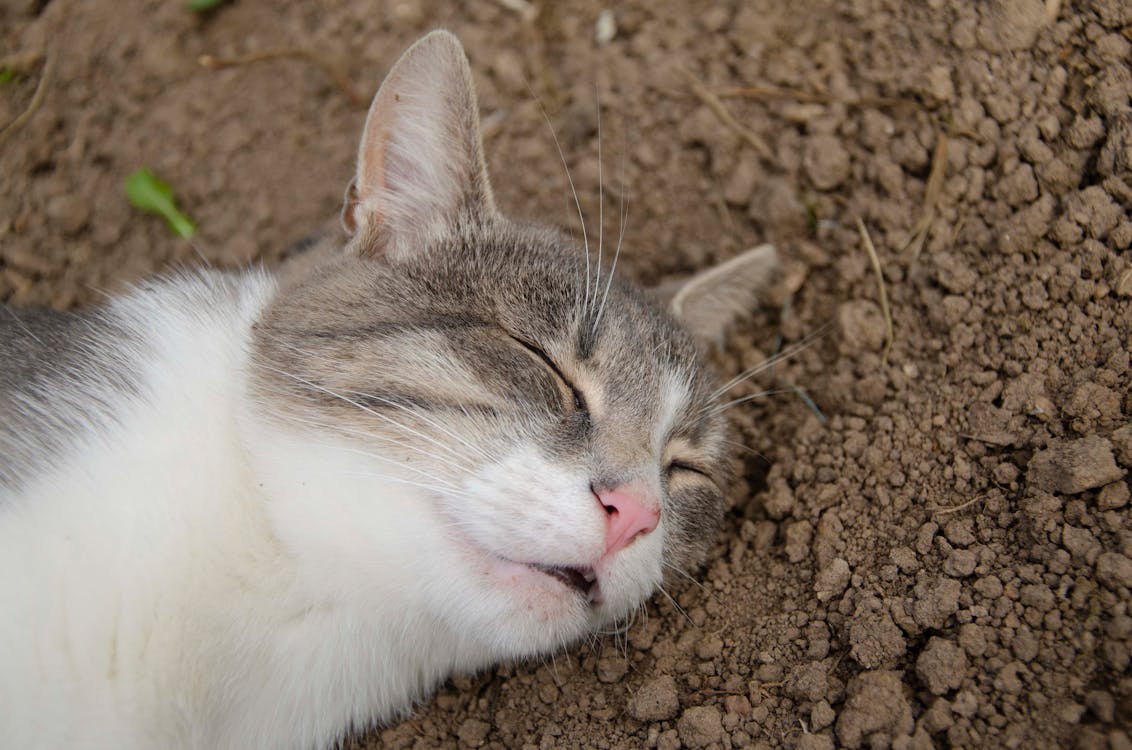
[(709, 302), (420, 164)]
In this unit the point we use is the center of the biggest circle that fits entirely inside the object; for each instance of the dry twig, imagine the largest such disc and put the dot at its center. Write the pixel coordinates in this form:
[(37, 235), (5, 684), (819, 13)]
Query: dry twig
[(867, 241), (931, 197), (33, 105), (295, 53), (725, 116)]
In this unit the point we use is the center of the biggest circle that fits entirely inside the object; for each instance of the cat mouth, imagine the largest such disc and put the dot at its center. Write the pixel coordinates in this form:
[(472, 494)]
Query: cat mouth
[(579, 578)]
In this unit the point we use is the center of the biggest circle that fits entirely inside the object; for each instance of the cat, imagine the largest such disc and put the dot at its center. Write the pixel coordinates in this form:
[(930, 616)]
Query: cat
[(243, 510)]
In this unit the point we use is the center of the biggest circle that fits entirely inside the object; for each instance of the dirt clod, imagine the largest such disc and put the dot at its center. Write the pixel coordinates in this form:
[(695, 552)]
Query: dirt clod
[(656, 700), (700, 726), (876, 711), (1071, 467), (941, 665)]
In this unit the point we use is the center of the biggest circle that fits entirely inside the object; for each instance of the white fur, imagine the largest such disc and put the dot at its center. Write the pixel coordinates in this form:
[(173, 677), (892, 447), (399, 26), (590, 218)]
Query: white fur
[(190, 574)]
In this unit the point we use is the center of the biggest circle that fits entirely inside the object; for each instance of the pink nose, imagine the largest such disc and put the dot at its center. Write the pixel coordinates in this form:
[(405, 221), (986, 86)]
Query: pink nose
[(631, 513)]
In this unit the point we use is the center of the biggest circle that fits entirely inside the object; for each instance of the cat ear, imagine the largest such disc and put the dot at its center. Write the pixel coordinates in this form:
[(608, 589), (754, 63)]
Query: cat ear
[(421, 162), (713, 299)]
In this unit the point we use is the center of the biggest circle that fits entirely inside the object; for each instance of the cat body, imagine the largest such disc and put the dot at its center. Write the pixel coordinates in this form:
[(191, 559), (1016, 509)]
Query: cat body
[(258, 510)]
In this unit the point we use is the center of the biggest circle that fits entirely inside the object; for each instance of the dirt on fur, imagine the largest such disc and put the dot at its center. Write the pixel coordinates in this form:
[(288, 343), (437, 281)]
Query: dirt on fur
[(931, 546)]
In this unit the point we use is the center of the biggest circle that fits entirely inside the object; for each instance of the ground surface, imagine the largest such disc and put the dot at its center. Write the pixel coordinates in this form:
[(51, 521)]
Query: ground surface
[(946, 559)]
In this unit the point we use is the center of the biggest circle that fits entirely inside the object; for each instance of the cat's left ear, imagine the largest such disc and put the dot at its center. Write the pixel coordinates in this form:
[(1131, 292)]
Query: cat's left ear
[(709, 302), (420, 164)]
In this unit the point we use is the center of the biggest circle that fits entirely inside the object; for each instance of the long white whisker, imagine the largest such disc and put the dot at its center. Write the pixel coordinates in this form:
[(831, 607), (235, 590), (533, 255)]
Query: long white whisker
[(624, 214), (751, 397), (790, 351), (424, 418), (600, 202), (369, 454), (573, 190), (385, 439), (402, 480), (677, 606), (363, 407)]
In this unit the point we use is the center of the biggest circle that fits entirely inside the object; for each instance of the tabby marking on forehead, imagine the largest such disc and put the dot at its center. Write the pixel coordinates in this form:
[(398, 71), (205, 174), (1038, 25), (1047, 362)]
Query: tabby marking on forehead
[(671, 400)]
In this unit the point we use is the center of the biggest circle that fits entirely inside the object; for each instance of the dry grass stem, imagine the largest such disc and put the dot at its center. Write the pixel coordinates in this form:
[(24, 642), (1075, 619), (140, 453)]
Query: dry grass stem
[(33, 105), (957, 508), (931, 198), (797, 95), (1053, 8), (867, 241), (728, 119), (293, 53)]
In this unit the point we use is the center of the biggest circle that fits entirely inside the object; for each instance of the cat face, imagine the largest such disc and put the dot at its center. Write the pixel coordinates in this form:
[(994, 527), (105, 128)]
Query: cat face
[(548, 431)]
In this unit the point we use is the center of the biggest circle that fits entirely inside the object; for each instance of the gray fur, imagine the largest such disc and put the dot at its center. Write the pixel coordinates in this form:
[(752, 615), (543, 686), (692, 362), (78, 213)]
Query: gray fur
[(58, 372)]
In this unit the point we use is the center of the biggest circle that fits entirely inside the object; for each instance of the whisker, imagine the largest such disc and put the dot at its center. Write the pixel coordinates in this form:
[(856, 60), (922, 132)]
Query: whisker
[(624, 215), (363, 407), (367, 435), (401, 480), (600, 201), (685, 574), (791, 351), (677, 606), (423, 417), (570, 179), (751, 397)]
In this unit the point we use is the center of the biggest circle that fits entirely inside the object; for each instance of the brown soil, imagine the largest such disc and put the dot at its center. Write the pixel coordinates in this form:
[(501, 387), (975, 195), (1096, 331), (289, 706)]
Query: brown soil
[(937, 551)]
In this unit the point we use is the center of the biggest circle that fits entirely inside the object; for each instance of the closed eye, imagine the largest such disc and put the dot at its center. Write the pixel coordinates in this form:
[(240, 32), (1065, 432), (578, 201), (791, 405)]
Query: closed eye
[(679, 466), (579, 399)]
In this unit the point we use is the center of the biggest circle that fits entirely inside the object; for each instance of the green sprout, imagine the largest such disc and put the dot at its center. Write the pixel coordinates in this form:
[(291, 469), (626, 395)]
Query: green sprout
[(150, 194), (200, 6), (6, 75)]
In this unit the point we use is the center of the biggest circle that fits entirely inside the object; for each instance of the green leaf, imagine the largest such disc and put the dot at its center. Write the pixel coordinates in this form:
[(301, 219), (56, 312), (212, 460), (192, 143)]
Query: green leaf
[(150, 194), (6, 75), (200, 6)]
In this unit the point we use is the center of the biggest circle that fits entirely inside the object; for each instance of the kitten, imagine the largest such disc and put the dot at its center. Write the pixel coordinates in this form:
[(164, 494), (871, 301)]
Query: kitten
[(247, 510)]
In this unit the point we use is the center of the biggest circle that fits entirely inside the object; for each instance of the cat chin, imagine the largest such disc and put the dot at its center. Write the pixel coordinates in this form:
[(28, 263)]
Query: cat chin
[(523, 612)]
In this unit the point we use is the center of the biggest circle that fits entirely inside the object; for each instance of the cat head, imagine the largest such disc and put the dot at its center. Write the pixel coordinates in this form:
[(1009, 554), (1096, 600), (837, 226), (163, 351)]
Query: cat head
[(525, 441)]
